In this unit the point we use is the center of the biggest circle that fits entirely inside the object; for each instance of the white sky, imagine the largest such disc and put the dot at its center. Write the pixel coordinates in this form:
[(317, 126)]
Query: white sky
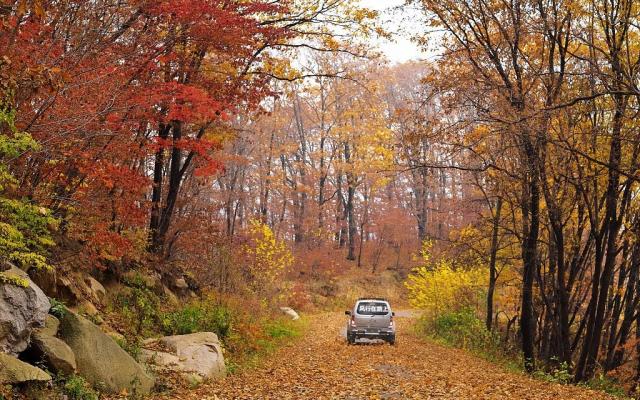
[(402, 23)]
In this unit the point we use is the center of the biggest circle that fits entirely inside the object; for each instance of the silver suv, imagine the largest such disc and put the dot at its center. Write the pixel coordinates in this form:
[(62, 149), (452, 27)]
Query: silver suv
[(371, 318)]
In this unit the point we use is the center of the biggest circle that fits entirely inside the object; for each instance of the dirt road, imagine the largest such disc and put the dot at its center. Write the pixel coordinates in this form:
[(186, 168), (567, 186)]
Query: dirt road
[(322, 366)]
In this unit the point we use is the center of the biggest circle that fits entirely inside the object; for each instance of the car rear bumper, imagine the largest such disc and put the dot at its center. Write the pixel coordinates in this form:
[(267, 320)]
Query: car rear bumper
[(371, 333)]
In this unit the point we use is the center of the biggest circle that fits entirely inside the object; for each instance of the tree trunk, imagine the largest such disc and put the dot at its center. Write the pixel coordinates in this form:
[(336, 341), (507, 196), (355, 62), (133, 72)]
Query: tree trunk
[(264, 196), (350, 206), (363, 222), (631, 303), (351, 220), (156, 194), (531, 227), (420, 194), (588, 360), (493, 273)]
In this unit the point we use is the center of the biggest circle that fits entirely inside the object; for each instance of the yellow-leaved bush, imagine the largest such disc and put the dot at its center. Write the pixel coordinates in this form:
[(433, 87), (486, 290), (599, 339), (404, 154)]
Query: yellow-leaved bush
[(268, 258), (437, 287), (25, 227)]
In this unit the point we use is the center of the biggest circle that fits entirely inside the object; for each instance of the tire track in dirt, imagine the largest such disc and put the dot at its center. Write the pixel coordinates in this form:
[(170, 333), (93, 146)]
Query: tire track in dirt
[(322, 366)]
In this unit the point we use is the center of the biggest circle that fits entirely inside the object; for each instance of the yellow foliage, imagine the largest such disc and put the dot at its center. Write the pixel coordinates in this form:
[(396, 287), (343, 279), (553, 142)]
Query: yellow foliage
[(268, 256), (437, 287), (12, 279)]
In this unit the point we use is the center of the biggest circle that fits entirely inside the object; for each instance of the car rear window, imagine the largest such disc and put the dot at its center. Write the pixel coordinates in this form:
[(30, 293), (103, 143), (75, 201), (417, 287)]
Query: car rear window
[(372, 308)]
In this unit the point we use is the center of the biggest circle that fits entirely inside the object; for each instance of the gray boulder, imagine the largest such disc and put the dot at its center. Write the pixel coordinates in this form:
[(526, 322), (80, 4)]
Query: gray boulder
[(96, 290), (22, 309), (181, 284), (14, 372), (198, 353), (44, 346), (55, 353), (69, 290), (51, 326), (290, 312), (169, 296), (100, 360), (46, 279)]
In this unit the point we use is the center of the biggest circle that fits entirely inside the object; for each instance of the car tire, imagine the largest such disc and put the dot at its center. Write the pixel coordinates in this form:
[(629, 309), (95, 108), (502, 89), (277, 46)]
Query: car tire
[(351, 339), (392, 341)]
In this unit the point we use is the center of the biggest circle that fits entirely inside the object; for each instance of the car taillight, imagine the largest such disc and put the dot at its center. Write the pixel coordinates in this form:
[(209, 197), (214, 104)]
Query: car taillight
[(391, 321), (353, 321)]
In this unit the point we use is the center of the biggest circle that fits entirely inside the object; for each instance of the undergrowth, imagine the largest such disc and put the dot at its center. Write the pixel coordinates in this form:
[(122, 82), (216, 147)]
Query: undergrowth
[(463, 329), (248, 329), (252, 346), (199, 316), (76, 387), (561, 374), (133, 346), (58, 309), (604, 383)]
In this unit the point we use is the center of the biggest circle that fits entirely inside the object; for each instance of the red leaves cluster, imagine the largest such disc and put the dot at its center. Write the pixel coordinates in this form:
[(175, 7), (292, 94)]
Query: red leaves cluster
[(94, 82)]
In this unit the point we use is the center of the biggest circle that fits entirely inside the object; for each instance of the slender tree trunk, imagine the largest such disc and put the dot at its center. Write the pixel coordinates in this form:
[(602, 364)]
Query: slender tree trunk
[(588, 361), (300, 170), (341, 214), (638, 339), (531, 213), (363, 222), (631, 303), (615, 308), (493, 273), (156, 194), (321, 186), (559, 337), (420, 194), (350, 206), (323, 173), (264, 198), (175, 179), (351, 220)]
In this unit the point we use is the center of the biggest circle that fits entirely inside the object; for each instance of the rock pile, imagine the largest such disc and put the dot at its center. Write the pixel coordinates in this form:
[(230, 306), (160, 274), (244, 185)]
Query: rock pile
[(197, 356), (71, 345)]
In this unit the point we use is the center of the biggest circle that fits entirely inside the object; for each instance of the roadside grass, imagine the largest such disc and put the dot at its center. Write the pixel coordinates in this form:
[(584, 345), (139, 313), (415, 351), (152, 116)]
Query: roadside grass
[(76, 387), (270, 334), (463, 330), (607, 385), (248, 329)]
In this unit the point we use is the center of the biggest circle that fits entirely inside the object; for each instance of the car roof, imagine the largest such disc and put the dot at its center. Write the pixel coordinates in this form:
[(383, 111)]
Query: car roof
[(372, 299)]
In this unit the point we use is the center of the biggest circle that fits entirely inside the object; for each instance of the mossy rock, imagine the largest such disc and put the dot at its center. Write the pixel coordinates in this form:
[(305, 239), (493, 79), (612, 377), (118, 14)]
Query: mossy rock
[(100, 360), (16, 372)]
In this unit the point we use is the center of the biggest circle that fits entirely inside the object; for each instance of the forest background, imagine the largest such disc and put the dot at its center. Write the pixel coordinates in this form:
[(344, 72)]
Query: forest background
[(284, 161)]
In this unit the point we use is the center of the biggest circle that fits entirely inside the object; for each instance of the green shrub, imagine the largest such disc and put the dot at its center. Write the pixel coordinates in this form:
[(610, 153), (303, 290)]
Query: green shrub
[(463, 329), (199, 317), (140, 306), (76, 388), (132, 347), (559, 374), (275, 333), (281, 330), (58, 309), (604, 383)]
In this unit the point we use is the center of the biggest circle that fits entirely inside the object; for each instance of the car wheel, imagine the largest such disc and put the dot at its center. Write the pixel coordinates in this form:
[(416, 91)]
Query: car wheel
[(392, 341), (351, 339)]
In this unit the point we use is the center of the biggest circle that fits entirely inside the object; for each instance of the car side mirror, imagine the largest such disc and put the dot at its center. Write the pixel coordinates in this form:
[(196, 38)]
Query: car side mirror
[(347, 312), (393, 314)]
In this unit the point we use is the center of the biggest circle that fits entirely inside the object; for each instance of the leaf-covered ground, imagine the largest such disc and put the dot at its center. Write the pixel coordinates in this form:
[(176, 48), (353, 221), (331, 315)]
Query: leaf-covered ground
[(322, 366)]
